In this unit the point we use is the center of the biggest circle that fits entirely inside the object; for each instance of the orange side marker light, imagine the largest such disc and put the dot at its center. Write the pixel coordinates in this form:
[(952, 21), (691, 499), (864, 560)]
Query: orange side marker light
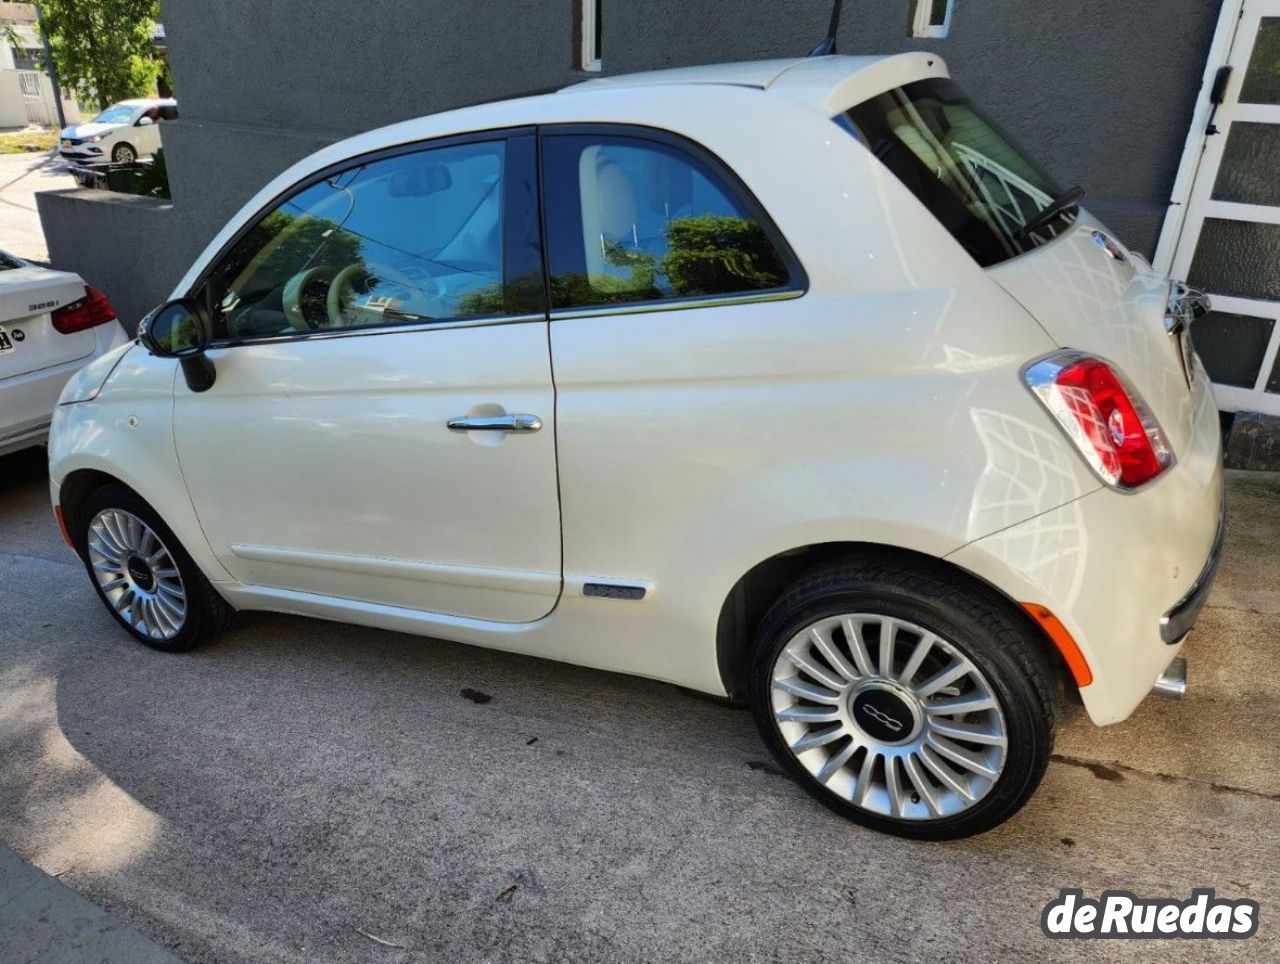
[(1062, 639), (62, 526)]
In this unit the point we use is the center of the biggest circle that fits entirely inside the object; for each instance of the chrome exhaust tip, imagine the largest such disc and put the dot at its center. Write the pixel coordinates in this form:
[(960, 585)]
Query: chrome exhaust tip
[(1172, 683)]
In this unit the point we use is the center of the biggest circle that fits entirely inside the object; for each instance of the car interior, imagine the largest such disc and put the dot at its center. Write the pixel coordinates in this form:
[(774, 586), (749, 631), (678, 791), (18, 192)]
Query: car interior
[(413, 238), (630, 197)]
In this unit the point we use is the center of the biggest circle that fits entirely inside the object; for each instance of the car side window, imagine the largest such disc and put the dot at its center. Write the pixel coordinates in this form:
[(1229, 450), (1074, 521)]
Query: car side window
[(637, 220), (408, 239)]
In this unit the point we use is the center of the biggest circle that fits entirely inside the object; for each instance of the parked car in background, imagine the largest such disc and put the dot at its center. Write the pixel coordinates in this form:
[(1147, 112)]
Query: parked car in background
[(849, 411), (121, 134), (51, 323)]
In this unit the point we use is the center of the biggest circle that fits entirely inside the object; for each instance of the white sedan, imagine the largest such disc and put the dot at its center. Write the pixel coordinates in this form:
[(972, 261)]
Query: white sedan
[(51, 323), (794, 381), (121, 134)]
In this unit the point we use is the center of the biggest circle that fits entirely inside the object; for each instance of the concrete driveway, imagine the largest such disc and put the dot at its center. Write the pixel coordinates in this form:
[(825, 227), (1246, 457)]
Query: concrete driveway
[(305, 791), (21, 176)]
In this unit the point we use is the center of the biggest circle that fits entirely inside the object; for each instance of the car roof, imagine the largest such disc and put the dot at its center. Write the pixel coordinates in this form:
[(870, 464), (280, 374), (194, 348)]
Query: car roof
[(833, 82), (751, 73), (146, 101)]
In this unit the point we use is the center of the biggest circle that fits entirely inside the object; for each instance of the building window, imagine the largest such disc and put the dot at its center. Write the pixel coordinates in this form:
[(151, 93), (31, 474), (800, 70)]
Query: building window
[(27, 58), (931, 18), (589, 24)]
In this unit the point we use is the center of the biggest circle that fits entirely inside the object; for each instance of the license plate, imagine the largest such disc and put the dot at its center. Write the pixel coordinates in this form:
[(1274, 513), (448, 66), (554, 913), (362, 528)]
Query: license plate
[(6, 345), (66, 144)]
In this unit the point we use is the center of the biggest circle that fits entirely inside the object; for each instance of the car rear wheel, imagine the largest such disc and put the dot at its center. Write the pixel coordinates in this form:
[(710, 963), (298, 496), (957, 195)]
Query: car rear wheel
[(144, 576), (909, 701), (124, 154)]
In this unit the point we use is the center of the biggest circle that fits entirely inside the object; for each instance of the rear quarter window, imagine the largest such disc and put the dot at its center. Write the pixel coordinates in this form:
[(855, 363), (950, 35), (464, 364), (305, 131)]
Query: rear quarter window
[(632, 220)]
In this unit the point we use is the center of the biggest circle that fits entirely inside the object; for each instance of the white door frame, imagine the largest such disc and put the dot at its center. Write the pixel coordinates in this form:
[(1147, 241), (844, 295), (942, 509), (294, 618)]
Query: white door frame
[(1191, 201), (1192, 153)]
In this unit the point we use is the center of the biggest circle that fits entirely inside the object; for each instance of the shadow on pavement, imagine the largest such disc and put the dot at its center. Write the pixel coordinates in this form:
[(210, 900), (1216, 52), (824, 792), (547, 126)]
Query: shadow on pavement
[(22, 468)]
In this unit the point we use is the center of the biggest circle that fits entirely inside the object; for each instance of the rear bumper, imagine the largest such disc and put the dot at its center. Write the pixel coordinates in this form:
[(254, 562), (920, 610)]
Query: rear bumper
[(1177, 622), (1125, 573), (30, 436), (27, 401)]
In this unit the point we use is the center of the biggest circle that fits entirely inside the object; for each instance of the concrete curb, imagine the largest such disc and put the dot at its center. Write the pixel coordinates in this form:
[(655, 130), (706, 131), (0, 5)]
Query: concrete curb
[(42, 921)]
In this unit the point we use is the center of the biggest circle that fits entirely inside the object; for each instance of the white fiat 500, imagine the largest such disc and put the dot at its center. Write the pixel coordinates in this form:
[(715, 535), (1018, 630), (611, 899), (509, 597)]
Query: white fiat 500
[(795, 382)]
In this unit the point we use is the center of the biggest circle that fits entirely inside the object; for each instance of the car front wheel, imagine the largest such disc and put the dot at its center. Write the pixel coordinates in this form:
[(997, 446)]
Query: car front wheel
[(144, 576), (123, 154), (910, 701)]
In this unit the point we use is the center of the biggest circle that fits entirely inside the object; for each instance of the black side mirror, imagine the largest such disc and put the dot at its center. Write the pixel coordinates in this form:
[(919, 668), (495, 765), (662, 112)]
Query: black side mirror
[(179, 329)]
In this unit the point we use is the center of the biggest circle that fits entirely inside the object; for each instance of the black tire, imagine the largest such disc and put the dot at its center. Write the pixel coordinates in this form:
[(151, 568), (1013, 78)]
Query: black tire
[(207, 614), (123, 154), (994, 636)]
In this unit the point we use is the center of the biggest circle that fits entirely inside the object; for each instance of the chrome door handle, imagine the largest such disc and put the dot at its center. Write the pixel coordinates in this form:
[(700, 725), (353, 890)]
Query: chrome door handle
[(495, 423)]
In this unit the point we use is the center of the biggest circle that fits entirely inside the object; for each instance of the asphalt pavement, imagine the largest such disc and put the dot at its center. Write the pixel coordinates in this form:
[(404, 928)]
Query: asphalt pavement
[(307, 791), (21, 176)]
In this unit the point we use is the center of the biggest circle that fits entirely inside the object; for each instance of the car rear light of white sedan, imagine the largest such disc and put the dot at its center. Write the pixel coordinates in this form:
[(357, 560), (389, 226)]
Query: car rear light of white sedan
[(1103, 414), (90, 311)]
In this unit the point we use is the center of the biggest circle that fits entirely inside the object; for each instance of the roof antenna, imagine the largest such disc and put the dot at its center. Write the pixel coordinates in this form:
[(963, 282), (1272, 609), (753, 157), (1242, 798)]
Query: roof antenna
[(828, 45)]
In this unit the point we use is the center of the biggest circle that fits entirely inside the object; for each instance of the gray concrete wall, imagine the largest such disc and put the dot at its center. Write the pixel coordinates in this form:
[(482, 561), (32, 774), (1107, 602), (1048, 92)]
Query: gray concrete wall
[(1101, 92), (133, 248)]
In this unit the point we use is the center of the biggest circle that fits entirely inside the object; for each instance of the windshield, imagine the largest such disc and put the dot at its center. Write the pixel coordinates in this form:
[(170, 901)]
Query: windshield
[(115, 114), (964, 169)]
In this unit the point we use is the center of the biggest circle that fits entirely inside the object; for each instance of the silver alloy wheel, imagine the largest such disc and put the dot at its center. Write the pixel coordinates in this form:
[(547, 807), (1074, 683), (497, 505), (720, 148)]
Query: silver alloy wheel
[(890, 716), (137, 574)]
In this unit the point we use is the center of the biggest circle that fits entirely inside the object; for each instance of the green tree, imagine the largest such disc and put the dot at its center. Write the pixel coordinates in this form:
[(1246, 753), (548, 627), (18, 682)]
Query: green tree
[(713, 254), (9, 35), (103, 49)]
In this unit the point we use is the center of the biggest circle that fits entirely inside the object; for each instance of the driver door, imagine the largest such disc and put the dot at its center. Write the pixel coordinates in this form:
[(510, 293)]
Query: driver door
[(381, 425), (146, 136)]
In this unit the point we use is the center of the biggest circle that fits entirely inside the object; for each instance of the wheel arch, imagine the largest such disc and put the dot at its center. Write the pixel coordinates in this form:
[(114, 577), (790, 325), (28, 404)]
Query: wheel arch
[(758, 588), (76, 478), (74, 494)]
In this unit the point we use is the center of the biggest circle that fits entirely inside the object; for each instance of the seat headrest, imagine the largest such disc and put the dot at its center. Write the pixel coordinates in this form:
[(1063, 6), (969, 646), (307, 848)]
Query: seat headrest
[(616, 200)]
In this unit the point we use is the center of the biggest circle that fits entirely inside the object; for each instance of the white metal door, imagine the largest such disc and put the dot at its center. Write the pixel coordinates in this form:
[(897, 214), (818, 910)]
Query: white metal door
[(147, 138), (33, 97), (1229, 242)]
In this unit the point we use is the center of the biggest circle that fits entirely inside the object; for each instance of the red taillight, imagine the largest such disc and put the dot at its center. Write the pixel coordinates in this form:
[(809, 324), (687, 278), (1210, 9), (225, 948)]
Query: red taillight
[(90, 311), (1104, 415)]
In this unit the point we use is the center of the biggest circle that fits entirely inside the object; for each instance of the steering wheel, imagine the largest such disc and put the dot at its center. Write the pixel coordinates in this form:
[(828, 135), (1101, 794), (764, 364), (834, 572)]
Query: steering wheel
[(302, 296), (324, 292), (343, 312)]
